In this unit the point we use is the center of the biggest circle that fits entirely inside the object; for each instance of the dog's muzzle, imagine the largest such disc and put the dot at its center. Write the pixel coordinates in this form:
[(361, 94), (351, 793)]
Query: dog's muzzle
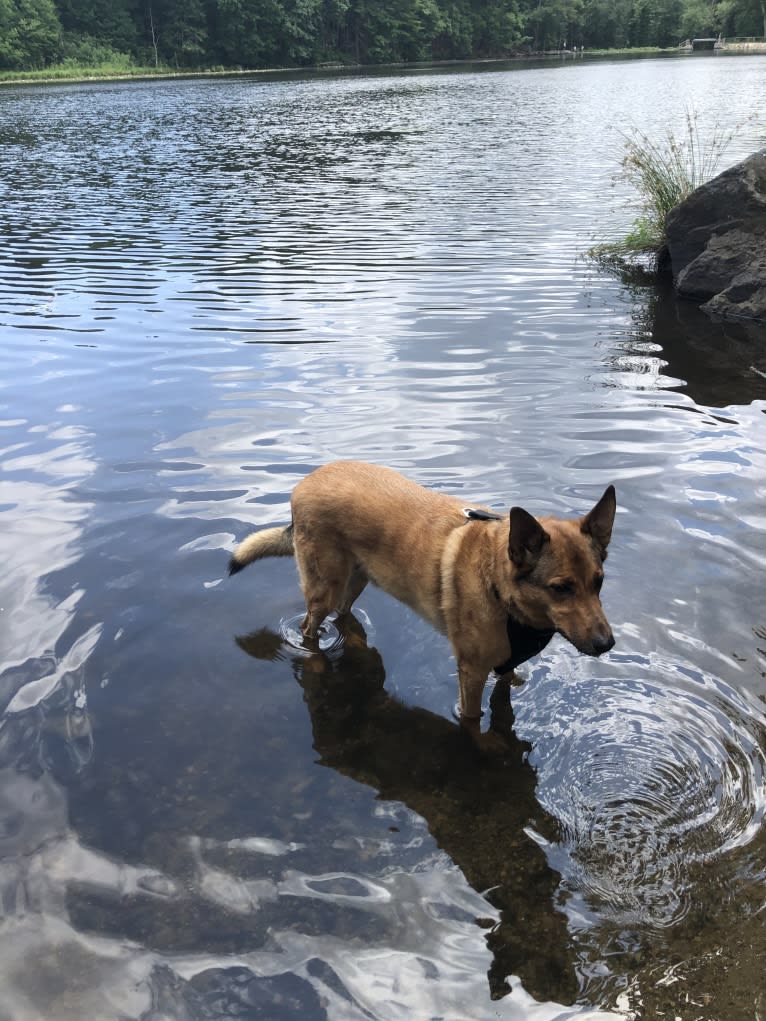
[(602, 645), (597, 646)]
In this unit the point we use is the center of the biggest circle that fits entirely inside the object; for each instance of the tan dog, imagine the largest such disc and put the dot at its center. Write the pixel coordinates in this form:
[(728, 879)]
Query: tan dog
[(499, 596)]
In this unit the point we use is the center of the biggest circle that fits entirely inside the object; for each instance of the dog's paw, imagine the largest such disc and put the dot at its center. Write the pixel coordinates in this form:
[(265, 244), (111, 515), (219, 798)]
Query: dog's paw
[(491, 744), (494, 745)]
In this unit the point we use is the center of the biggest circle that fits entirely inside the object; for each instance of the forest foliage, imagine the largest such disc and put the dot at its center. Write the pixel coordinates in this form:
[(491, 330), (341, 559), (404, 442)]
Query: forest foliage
[(197, 34)]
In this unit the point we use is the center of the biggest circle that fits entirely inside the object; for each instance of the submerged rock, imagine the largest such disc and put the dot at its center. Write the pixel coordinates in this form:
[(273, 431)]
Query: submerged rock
[(717, 241)]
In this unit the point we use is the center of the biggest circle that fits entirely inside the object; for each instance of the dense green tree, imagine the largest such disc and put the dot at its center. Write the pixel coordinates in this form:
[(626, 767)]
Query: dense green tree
[(749, 18), (395, 30), (455, 40), (10, 55), (665, 23), (252, 33), (498, 27), (553, 24), (606, 23), (185, 29), (270, 33), (331, 42), (173, 32), (700, 18), (297, 41), (115, 22), (654, 23), (30, 33)]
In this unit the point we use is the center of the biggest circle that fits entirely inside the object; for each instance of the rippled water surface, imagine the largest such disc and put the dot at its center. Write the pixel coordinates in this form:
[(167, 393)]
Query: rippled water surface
[(208, 288)]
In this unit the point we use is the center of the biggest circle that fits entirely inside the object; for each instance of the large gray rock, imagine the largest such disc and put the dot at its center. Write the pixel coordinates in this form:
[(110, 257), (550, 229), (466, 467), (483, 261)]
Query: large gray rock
[(717, 241)]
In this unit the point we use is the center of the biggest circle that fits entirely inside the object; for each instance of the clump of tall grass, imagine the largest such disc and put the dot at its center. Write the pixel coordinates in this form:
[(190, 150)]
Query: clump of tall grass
[(70, 71), (663, 173)]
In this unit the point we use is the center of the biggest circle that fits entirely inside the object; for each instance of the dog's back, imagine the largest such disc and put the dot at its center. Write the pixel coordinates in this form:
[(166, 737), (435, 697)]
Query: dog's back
[(353, 514)]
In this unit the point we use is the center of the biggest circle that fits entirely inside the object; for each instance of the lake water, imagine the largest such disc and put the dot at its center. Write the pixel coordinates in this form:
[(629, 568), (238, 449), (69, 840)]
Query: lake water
[(208, 288)]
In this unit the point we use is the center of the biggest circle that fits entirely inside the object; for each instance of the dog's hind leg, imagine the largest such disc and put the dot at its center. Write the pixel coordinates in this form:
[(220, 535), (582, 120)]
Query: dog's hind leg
[(356, 584), (325, 580), (346, 622)]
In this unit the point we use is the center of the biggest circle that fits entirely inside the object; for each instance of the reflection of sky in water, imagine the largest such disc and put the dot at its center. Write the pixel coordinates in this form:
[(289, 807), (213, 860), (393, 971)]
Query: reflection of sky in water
[(403, 289), (433, 964), (40, 533)]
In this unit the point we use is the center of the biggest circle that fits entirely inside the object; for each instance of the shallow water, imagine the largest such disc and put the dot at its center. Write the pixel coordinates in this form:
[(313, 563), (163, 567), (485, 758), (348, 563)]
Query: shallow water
[(208, 288)]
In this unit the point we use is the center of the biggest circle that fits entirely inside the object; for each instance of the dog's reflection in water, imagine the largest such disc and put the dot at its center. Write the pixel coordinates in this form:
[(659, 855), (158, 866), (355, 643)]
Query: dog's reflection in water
[(477, 810)]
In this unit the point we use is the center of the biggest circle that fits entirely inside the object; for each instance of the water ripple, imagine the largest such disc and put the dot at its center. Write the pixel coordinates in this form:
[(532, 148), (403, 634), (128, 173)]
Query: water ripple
[(653, 779), (331, 638)]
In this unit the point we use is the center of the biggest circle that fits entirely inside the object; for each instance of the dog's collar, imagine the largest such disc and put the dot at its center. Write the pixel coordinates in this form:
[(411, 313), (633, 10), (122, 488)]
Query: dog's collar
[(473, 514)]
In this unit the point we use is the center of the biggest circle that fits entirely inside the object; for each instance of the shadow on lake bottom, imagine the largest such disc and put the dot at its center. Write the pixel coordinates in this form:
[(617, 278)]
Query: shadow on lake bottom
[(478, 811)]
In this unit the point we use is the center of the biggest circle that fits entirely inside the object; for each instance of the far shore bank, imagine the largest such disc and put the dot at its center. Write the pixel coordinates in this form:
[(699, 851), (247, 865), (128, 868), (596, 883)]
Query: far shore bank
[(66, 75)]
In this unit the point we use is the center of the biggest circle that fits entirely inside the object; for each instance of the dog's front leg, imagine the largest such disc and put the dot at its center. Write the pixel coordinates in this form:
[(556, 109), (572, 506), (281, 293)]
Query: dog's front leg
[(471, 681), (472, 678)]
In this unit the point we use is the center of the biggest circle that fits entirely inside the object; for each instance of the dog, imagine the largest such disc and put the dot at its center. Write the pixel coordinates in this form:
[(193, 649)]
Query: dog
[(498, 588)]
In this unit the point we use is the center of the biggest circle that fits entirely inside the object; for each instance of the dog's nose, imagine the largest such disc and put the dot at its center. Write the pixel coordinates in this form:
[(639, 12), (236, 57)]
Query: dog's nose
[(602, 645)]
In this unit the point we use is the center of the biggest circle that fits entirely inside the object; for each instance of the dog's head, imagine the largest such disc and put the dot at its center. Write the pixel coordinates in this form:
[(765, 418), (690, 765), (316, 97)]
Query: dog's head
[(558, 570)]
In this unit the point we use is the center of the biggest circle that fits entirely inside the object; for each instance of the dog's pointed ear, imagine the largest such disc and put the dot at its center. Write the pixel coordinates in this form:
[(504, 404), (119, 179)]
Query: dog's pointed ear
[(527, 539), (598, 522)]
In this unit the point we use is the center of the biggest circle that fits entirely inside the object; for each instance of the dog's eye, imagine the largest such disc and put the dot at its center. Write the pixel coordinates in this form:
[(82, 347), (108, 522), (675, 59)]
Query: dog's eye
[(562, 588)]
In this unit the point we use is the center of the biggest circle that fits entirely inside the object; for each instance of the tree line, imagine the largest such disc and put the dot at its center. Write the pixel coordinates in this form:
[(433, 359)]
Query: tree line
[(195, 34)]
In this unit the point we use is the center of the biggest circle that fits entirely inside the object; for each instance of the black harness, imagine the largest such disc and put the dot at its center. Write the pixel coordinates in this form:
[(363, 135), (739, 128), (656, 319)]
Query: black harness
[(525, 641)]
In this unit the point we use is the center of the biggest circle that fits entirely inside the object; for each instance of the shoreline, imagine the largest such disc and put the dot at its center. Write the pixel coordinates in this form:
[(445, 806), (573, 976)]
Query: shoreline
[(149, 74)]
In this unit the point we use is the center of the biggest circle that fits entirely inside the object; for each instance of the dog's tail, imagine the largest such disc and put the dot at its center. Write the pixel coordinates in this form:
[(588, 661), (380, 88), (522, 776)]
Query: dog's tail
[(271, 542)]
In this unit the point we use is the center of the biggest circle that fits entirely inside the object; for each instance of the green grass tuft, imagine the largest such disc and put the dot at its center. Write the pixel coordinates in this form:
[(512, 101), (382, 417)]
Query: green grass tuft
[(664, 174)]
